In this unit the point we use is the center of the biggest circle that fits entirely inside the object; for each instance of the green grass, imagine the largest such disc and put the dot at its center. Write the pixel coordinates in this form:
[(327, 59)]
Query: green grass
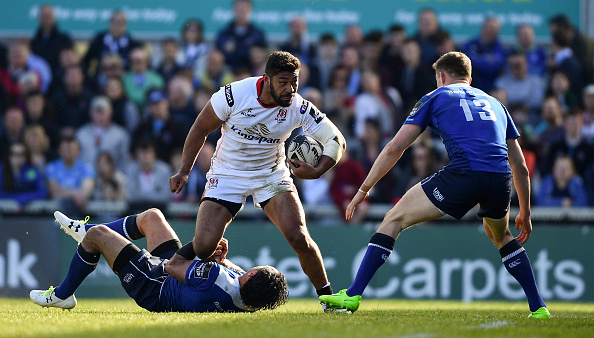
[(299, 318)]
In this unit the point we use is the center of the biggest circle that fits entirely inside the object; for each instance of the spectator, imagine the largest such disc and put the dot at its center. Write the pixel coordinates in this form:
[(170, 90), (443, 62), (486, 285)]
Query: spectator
[(338, 104), (520, 114), (563, 188), (347, 176), (140, 78), (353, 36), (20, 181), (70, 180), (216, 74), (49, 41), (581, 45), (125, 111), (413, 81), (324, 62), (560, 87), (550, 130), (181, 107), (68, 58), (193, 49), (428, 28), (14, 126), (588, 113), (520, 86), (113, 41), (487, 55), (423, 163), (38, 113), (169, 66), (566, 61), (160, 128), (374, 103), (258, 57), (236, 38), (33, 63), (391, 59), (111, 65), (371, 144), (38, 146), (299, 41), (101, 135), (373, 45), (148, 176), (536, 56), (17, 68), (572, 145), (110, 183), (72, 102), (444, 43), (351, 60), (197, 179)]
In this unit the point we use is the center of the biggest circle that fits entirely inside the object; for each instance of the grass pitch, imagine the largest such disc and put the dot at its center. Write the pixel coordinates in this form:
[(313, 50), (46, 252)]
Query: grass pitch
[(298, 318)]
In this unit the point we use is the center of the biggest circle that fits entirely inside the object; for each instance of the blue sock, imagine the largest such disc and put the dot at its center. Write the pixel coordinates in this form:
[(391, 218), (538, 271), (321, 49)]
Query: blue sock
[(379, 248), (126, 227), (82, 264), (518, 265)]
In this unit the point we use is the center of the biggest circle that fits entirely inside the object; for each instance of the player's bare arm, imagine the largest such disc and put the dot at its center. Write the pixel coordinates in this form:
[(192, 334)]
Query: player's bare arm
[(178, 265), (206, 122), (522, 184), (387, 158)]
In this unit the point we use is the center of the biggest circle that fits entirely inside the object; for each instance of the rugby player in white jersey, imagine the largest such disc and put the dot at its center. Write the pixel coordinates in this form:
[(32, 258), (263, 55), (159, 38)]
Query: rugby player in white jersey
[(257, 116)]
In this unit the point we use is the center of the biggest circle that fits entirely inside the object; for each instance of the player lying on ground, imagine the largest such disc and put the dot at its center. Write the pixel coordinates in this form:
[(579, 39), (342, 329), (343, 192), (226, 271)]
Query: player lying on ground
[(157, 278), (481, 141)]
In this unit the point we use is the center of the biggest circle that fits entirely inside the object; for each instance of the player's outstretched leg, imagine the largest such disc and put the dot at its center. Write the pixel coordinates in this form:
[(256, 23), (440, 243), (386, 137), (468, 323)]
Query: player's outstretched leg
[(48, 298), (126, 226), (516, 262)]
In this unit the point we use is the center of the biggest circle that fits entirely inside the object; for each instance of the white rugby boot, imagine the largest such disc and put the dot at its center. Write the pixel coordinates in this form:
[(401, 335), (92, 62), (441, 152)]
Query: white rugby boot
[(47, 298), (74, 228)]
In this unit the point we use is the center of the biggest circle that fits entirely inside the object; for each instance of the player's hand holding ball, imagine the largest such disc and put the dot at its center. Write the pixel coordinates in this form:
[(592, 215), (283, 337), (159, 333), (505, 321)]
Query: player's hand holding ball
[(303, 155)]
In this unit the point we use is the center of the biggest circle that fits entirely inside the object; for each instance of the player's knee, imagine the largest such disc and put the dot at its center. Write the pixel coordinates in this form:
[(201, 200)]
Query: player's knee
[(96, 232), (203, 249), (299, 240), (153, 215)]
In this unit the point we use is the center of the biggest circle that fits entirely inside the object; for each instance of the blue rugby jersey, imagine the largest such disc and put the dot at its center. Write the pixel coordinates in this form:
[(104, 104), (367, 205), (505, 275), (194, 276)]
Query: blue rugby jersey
[(473, 126), (210, 288)]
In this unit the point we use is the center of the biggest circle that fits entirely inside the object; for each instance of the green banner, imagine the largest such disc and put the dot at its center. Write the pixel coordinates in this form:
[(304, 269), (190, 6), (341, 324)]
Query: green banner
[(158, 18), (429, 262)]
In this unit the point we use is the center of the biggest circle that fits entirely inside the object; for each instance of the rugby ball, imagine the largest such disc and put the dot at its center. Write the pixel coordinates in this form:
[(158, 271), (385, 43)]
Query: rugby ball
[(304, 148)]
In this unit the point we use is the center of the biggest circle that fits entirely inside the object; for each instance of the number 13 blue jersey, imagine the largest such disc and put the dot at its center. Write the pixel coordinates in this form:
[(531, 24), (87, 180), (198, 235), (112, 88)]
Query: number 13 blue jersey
[(473, 126)]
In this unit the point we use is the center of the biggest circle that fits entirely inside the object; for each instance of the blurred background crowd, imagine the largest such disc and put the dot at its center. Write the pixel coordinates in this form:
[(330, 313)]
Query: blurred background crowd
[(105, 119)]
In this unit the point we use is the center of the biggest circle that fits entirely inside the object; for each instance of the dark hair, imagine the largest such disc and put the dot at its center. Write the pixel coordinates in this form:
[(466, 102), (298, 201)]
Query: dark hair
[(327, 38), (190, 22), (396, 28), (561, 20), (266, 290), (281, 61), (7, 174), (456, 64), (374, 36), (560, 38), (145, 143)]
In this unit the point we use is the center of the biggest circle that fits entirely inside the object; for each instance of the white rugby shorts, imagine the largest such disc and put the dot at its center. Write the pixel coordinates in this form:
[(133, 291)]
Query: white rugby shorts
[(236, 189)]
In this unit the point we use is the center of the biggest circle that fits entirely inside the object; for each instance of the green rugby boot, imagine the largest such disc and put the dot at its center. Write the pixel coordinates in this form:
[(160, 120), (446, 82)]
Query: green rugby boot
[(341, 300), (542, 312)]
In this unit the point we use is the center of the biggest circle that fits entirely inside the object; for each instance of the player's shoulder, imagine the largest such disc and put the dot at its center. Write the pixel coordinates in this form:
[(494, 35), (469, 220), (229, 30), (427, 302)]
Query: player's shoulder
[(238, 90), (203, 269)]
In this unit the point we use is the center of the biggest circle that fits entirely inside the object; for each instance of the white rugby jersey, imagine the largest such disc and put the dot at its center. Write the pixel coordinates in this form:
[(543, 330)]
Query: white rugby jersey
[(253, 134)]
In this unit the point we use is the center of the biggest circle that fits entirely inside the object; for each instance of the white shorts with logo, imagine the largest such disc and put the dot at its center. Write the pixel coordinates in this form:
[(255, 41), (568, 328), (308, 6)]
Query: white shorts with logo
[(236, 188)]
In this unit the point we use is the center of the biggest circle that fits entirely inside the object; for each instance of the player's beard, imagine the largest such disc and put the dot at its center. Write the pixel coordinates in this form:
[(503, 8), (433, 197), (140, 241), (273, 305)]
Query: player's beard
[(284, 100)]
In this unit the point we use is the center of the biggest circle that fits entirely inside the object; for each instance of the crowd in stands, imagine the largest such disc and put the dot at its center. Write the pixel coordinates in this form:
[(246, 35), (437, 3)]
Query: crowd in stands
[(108, 121)]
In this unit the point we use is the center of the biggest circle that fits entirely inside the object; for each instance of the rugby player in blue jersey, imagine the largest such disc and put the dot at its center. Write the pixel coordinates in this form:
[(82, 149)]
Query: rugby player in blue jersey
[(157, 278), (481, 141)]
